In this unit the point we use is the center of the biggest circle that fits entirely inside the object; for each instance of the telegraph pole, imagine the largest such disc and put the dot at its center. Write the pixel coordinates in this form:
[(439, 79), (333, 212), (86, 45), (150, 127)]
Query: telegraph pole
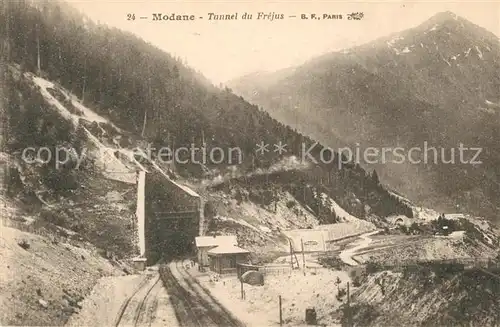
[(242, 291), (303, 256), (281, 315), (349, 318)]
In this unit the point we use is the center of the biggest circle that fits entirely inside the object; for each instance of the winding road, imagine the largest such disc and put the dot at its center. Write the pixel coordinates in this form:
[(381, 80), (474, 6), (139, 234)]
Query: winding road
[(347, 255)]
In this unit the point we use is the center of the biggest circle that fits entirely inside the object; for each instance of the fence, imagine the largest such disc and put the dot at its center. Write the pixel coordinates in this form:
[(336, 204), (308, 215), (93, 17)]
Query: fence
[(228, 271), (268, 270), (276, 270)]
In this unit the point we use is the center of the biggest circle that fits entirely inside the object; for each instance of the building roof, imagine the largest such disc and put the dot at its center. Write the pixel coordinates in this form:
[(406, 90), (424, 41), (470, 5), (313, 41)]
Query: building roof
[(204, 241), (227, 249)]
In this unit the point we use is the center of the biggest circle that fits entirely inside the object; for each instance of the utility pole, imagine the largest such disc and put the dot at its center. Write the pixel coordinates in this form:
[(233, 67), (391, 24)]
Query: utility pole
[(281, 314), (349, 318), (303, 256), (242, 291)]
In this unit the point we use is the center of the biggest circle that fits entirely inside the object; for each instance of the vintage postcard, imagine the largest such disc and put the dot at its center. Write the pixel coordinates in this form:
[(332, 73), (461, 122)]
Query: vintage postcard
[(265, 163)]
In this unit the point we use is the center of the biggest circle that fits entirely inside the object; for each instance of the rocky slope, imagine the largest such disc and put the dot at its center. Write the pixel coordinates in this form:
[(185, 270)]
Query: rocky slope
[(428, 296)]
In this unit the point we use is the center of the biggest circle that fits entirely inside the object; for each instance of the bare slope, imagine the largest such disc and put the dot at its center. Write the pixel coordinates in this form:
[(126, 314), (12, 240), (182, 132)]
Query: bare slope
[(428, 296), (43, 282)]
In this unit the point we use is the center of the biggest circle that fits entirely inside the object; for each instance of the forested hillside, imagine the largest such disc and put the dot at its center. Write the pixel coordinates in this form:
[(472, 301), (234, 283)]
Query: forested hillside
[(433, 87), (154, 97)]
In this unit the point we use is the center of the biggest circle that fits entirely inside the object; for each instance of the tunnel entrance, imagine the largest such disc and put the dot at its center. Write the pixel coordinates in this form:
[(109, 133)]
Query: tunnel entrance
[(172, 215)]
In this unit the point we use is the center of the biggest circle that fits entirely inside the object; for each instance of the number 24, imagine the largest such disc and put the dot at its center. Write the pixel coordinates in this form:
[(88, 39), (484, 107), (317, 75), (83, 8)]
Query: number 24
[(130, 16)]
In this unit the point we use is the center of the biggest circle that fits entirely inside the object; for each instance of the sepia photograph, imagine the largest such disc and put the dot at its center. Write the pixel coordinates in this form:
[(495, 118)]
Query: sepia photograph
[(168, 163)]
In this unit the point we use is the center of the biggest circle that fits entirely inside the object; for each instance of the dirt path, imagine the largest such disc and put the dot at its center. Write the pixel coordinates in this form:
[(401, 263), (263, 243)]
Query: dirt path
[(174, 299), (135, 300), (347, 254)]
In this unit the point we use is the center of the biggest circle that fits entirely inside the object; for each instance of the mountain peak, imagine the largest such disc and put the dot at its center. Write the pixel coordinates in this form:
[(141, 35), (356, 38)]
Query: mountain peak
[(445, 16), (448, 21)]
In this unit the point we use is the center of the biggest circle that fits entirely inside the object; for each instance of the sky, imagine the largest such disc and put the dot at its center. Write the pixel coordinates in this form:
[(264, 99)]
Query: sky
[(223, 50)]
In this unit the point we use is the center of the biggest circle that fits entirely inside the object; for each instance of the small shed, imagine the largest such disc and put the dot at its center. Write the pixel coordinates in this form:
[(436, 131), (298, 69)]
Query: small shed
[(205, 243), (224, 259), (139, 263)]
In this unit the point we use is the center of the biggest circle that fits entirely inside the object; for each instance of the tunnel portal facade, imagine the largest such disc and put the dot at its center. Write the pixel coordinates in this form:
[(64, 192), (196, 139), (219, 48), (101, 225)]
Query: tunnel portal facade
[(172, 213)]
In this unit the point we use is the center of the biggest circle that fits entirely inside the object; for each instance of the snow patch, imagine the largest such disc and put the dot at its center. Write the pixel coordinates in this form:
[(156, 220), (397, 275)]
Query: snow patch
[(87, 113), (405, 50), (454, 216), (457, 234), (240, 222), (92, 116), (44, 84), (391, 42), (401, 198), (398, 52), (426, 214), (114, 168), (479, 53), (265, 229), (341, 213), (434, 28), (467, 52)]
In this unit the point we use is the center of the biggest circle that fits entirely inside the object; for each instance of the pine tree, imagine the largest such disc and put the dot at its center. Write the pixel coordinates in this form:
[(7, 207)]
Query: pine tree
[(375, 179)]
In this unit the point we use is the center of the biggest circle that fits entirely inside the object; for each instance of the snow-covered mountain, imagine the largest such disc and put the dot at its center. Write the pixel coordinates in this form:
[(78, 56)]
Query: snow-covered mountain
[(437, 83)]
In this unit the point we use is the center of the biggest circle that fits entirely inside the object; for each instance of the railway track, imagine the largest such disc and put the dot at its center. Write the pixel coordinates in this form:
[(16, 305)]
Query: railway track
[(142, 313), (194, 284), (232, 320), (185, 311), (139, 298), (194, 306)]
